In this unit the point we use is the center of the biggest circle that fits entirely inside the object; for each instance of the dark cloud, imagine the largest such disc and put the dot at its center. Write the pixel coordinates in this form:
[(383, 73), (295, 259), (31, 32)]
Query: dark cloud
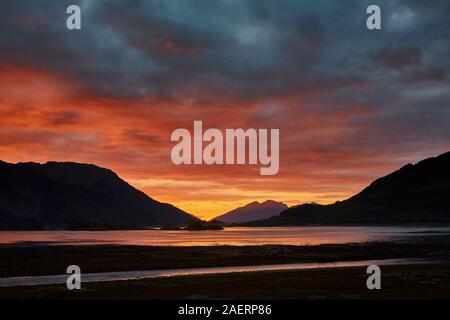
[(400, 58), (62, 118), (251, 48), (342, 95)]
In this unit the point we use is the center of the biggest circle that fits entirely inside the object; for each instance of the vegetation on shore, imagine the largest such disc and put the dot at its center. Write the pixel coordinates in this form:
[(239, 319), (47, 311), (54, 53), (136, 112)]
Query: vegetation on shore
[(197, 225)]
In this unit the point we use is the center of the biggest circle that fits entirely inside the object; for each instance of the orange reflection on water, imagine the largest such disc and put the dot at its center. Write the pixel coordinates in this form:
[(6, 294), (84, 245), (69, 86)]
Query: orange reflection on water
[(238, 236)]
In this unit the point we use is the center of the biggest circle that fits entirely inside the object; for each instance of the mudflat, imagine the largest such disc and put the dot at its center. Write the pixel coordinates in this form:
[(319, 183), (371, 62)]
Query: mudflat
[(398, 282), (413, 281), (48, 259)]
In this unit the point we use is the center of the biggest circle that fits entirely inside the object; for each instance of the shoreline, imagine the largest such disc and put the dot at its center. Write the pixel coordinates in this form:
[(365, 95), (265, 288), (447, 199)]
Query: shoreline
[(16, 261), (186, 272), (400, 282), (415, 281)]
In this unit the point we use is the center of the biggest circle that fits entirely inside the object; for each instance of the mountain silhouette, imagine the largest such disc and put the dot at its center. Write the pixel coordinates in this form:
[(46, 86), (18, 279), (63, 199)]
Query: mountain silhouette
[(253, 211), (414, 194), (74, 195)]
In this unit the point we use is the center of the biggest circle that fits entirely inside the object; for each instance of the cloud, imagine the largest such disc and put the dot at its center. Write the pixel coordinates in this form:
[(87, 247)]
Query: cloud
[(351, 104), (400, 58)]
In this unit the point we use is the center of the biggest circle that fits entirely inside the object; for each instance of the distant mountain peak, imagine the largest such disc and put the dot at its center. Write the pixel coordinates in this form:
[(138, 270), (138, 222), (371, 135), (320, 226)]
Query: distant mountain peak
[(270, 202), (253, 211)]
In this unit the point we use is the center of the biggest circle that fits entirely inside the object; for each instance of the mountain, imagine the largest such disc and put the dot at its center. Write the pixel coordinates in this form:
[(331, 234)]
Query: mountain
[(253, 211), (74, 195), (413, 194)]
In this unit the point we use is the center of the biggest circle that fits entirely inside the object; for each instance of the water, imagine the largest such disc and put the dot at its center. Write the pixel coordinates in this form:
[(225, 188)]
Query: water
[(239, 236), (133, 275)]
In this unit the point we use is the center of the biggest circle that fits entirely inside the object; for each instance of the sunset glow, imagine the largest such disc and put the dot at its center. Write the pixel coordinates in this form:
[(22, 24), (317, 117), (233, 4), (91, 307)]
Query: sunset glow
[(113, 97)]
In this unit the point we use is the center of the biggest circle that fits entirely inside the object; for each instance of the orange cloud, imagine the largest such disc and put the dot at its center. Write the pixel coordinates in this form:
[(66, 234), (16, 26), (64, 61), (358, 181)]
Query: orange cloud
[(47, 117)]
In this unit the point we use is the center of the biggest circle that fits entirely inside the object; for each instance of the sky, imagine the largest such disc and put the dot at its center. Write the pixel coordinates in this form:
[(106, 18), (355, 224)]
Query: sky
[(351, 104)]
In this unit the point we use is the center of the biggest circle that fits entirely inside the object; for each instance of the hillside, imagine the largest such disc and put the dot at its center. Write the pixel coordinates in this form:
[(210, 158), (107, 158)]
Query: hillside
[(414, 194), (80, 196)]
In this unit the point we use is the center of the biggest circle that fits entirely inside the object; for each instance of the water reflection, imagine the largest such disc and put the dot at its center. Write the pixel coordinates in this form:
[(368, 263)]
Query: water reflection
[(239, 236)]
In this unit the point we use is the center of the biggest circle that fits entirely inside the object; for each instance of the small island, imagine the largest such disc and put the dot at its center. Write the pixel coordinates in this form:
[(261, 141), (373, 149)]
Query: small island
[(197, 225)]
